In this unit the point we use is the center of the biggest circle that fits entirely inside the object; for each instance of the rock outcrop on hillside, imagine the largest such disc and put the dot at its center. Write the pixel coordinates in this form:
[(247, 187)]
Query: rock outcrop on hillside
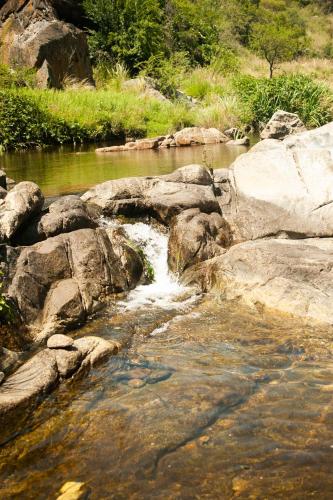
[(44, 34)]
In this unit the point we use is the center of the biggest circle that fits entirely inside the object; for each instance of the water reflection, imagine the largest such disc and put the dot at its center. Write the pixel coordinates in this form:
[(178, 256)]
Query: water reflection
[(225, 402), (64, 170)]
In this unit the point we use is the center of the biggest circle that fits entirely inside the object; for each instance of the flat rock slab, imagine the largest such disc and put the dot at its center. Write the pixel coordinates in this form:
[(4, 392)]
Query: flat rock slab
[(293, 276)]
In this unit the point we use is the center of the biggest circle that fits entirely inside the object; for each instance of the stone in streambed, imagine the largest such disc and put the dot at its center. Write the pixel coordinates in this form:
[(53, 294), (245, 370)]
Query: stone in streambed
[(244, 141), (73, 491), (68, 360), (293, 276), (163, 197), (2, 377), (57, 283), (136, 383), (95, 349), (283, 188), (60, 341)]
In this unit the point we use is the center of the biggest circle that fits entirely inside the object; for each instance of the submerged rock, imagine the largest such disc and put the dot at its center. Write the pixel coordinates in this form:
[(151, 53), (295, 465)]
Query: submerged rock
[(190, 136), (26, 387), (281, 125), (199, 135), (60, 341)]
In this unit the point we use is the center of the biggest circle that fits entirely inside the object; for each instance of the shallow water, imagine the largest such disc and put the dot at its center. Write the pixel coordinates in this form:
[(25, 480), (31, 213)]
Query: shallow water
[(206, 400), (230, 403), (65, 170)]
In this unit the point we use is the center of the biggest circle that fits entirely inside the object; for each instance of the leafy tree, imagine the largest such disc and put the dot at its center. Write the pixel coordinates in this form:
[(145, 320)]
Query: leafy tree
[(126, 31), (278, 36)]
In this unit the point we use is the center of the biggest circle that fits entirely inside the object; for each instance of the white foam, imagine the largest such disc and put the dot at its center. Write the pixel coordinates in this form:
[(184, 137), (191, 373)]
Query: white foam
[(165, 288)]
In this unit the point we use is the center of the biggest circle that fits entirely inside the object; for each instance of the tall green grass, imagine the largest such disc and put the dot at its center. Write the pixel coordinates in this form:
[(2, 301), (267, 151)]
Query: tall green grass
[(261, 97), (31, 117)]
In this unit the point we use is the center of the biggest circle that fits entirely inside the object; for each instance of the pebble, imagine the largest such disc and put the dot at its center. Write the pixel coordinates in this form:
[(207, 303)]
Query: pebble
[(60, 341), (204, 439), (73, 491), (2, 377), (136, 383)]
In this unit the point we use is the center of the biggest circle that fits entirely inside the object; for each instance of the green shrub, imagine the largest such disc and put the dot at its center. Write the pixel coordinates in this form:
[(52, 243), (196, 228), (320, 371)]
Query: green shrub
[(24, 124), (300, 94), (18, 77)]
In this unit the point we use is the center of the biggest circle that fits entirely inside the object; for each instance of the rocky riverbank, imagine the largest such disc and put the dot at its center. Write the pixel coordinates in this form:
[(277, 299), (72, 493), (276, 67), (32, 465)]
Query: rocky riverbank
[(260, 231)]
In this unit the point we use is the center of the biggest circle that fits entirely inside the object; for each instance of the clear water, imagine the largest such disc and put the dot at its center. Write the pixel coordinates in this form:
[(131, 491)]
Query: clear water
[(207, 399), (65, 170)]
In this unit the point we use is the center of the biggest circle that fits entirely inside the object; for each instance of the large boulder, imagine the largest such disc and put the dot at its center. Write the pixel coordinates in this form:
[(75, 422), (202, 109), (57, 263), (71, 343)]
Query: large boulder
[(68, 213), (294, 276), (34, 34), (281, 125), (21, 203), (199, 135), (283, 188), (195, 237), (163, 197), (57, 283)]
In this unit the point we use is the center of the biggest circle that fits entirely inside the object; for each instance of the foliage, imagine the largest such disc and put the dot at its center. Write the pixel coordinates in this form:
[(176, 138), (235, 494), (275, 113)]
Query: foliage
[(18, 77), (6, 310), (167, 73), (34, 118), (126, 31), (23, 123), (277, 35), (300, 94)]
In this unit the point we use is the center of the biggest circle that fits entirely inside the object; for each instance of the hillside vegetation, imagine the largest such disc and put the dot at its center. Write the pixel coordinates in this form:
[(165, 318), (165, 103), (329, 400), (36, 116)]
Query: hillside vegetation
[(239, 60)]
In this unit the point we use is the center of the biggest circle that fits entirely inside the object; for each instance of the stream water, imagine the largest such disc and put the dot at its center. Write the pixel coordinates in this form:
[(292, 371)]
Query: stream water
[(67, 170), (208, 399)]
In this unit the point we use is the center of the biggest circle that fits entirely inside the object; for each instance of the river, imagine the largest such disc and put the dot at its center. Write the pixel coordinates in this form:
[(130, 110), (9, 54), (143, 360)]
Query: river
[(209, 399)]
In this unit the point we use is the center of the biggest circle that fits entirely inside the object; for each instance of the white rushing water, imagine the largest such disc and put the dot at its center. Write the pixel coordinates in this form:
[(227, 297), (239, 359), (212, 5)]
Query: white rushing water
[(165, 289)]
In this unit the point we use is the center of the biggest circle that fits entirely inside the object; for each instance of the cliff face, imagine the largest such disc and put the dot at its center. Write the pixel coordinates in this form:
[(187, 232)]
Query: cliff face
[(46, 35)]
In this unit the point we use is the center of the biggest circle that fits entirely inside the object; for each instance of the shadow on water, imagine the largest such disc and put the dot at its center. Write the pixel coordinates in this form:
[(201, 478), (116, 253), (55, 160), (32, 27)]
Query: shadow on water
[(224, 402)]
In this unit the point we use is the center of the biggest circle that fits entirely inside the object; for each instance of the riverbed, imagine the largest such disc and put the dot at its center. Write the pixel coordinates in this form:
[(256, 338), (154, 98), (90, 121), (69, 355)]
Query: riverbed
[(208, 399)]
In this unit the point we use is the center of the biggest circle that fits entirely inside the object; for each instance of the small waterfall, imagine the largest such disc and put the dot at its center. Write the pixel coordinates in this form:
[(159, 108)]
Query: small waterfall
[(165, 289)]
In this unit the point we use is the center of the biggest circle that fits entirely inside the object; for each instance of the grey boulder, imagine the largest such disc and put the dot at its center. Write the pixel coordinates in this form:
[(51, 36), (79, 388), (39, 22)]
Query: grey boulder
[(26, 388), (281, 125), (293, 276), (283, 188), (57, 283), (66, 214), (195, 237), (163, 197), (22, 202)]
